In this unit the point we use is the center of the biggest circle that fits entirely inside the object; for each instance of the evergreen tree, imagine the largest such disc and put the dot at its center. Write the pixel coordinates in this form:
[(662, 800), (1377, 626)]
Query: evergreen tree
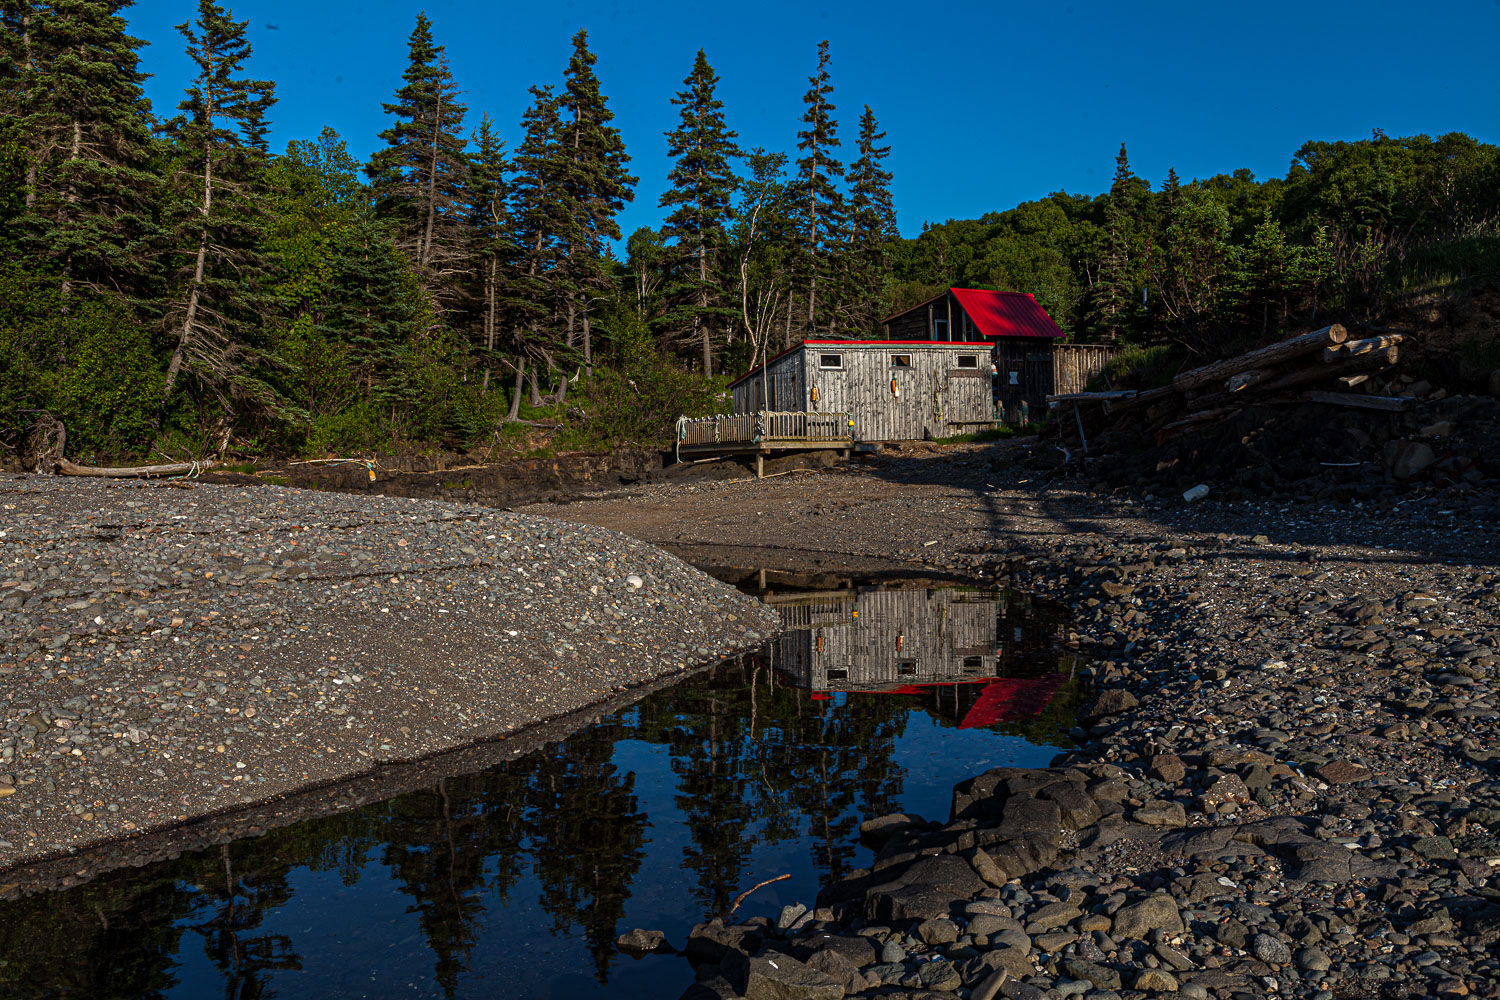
[(420, 177), (817, 202), (218, 305), (701, 199), (871, 225), (595, 187), (540, 223), (1113, 291), (489, 223), (83, 115)]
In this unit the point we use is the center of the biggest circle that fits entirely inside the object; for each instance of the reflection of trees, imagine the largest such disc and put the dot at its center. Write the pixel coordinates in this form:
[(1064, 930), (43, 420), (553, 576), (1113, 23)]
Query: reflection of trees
[(237, 898), (586, 835), (756, 763)]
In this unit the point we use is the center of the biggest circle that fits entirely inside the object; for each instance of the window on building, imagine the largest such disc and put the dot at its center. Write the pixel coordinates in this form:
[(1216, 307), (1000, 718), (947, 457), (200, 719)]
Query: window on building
[(900, 360), (831, 362), (968, 361), (973, 664), (1015, 378), (940, 329), (906, 668)]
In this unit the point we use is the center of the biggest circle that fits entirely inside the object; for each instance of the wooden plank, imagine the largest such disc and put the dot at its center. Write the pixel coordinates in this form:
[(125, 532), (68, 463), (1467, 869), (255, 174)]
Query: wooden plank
[(1390, 404), (1308, 343), (1083, 397)]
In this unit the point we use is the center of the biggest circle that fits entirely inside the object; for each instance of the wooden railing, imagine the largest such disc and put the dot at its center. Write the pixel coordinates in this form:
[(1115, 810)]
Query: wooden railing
[(763, 426)]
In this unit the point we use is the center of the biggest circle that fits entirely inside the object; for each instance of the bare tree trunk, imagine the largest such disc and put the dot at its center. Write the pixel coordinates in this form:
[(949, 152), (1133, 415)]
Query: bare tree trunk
[(572, 319), (515, 396), (588, 345), (31, 156), (72, 200), (536, 393), (190, 316), (424, 251), (708, 357)]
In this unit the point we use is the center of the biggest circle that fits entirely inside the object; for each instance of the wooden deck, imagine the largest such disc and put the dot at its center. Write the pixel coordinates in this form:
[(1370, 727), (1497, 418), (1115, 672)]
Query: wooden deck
[(761, 433)]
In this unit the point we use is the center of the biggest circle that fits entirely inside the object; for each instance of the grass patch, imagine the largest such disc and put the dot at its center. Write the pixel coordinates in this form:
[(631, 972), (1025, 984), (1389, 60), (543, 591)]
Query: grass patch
[(988, 434), (275, 480), (1148, 367)]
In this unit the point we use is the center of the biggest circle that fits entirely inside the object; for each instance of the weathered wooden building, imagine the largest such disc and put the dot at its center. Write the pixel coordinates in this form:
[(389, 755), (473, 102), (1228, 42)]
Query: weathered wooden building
[(978, 657), (892, 390), (1031, 361)]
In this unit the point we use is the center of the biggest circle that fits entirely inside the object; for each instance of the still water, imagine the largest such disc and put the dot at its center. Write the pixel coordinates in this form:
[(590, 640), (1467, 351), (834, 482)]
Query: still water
[(515, 881)]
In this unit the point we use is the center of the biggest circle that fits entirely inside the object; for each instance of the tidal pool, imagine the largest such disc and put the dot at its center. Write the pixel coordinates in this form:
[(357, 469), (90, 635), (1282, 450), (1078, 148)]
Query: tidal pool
[(515, 881)]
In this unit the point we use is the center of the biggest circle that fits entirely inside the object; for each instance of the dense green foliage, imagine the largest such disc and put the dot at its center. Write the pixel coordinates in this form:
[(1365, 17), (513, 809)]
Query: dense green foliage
[(1216, 262), (173, 287)]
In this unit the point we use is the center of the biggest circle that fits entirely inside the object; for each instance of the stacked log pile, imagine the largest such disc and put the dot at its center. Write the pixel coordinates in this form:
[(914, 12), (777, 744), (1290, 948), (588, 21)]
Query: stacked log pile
[(1323, 367)]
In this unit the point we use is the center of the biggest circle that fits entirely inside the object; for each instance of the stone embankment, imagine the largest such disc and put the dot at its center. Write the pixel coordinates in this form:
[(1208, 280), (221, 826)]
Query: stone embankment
[(171, 650), (1288, 786)]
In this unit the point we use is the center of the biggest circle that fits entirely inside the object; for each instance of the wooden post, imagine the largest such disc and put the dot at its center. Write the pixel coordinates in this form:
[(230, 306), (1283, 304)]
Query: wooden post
[(950, 317), (760, 466)]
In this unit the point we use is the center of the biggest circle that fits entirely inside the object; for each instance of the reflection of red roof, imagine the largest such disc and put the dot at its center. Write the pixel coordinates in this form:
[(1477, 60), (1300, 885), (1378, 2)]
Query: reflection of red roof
[(1012, 698), (1006, 314)]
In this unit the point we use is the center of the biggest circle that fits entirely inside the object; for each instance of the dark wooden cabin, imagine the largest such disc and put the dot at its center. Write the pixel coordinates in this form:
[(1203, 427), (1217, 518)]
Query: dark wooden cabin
[(1031, 361)]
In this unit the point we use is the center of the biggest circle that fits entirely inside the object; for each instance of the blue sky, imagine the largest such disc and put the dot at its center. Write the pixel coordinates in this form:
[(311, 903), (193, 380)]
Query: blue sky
[(985, 104)]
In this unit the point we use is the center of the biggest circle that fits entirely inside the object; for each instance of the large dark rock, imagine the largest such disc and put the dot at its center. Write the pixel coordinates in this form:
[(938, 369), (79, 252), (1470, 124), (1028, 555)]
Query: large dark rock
[(923, 891), (709, 943), (1107, 703), (778, 976), (1075, 807)]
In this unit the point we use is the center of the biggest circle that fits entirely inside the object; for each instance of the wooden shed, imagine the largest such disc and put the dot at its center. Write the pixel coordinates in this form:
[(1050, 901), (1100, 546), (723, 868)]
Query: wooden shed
[(1031, 361), (892, 390)]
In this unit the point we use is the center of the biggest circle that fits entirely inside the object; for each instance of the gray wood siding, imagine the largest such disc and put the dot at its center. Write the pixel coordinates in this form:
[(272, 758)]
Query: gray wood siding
[(901, 637), (936, 398)]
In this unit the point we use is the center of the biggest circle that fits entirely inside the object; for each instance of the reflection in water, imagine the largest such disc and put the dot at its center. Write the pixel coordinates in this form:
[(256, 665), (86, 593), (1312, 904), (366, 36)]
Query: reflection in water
[(515, 881)]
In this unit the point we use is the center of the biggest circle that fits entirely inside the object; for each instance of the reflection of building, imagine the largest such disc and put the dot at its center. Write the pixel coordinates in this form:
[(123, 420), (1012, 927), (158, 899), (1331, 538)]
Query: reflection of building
[(877, 640)]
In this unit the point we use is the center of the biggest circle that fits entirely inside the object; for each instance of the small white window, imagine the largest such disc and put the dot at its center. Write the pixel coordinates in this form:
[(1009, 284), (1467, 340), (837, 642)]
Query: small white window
[(900, 360), (833, 362), (968, 361), (1015, 378)]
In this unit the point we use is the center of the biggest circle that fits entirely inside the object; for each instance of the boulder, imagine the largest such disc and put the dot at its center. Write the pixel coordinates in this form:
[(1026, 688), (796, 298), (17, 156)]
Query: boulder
[(1159, 812), (925, 890), (1155, 912), (1155, 981), (1107, 703), (709, 943), (1409, 458), (639, 942), (1167, 767), (776, 976)]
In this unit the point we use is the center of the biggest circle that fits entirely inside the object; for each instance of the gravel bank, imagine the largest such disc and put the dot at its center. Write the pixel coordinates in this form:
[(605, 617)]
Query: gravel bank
[(170, 651), (1289, 784)]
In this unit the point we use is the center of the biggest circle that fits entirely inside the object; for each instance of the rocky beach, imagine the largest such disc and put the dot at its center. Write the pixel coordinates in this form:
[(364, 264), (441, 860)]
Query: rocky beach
[(176, 650), (1286, 784)]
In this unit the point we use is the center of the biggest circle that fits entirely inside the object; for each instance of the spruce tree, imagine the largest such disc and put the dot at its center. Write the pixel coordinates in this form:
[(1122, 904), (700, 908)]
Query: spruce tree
[(218, 306), (701, 199), (489, 223), (79, 105), (539, 221), (871, 226), (595, 187), (420, 177), (817, 202), (1113, 291)]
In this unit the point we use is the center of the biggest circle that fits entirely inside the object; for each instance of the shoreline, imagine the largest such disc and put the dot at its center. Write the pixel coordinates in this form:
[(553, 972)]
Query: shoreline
[(175, 651), (1289, 784)]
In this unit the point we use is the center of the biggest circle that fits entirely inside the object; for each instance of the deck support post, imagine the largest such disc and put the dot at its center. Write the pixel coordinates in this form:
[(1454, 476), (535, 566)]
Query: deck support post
[(760, 465)]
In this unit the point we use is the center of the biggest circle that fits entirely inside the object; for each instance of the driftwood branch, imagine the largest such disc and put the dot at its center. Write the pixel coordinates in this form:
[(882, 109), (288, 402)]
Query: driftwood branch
[(741, 897), (67, 468)]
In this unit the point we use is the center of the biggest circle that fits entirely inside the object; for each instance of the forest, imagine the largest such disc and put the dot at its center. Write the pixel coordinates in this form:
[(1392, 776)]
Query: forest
[(170, 286)]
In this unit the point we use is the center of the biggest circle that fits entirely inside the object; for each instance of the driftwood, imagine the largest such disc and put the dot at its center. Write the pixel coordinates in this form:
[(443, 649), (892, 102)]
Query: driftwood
[(1307, 376), (1356, 347), (1308, 343), (67, 468), (761, 885), (1390, 404)]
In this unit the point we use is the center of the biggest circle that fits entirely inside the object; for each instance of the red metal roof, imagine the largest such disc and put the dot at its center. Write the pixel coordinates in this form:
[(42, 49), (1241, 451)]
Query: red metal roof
[(1012, 698), (1006, 314)]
